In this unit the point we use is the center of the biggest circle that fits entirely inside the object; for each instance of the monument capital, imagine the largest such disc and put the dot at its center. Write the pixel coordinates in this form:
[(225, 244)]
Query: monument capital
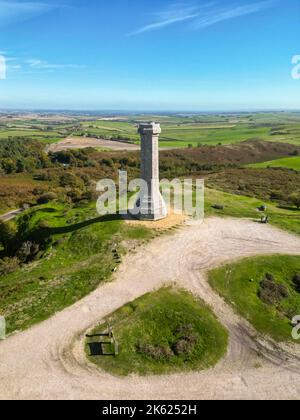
[(149, 128)]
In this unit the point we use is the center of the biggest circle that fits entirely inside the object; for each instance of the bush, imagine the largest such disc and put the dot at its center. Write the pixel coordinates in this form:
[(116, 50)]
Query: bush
[(187, 340), (296, 281), (270, 277), (218, 207), (155, 352), (8, 265), (70, 180), (28, 251), (295, 199), (47, 198), (8, 232), (107, 162), (271, 292)]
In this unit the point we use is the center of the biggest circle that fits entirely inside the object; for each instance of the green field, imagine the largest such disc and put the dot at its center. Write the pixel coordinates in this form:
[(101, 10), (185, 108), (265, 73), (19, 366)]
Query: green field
[(290, 163), (178, 131), (240, 285), (162, 332), (206, 129)]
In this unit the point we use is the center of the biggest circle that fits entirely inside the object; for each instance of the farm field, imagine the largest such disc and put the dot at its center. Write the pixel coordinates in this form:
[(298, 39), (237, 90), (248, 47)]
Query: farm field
[(290, 163), (178, 131), (191, 131)]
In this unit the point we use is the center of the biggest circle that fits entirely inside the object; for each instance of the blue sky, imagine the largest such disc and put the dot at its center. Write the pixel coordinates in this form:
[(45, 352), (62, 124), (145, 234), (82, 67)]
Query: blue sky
[(150, 55)]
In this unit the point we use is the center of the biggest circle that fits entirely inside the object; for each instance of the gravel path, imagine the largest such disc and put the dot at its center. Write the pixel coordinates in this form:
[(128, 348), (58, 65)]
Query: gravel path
[(48, 362)]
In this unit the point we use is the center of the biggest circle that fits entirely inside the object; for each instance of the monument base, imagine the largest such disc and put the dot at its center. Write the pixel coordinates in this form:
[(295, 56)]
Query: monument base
[(148, 208)]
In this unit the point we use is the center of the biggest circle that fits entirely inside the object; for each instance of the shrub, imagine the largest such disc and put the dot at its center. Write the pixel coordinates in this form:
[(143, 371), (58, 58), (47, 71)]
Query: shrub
[(155, 352), (295, 199), (68, 179), (184, 346), (28, 251), (47, 198), (44, 224), (296, 281), (8, 265), (218, 207), (271, 292), (187, 340), (107, 162), (8, 232)]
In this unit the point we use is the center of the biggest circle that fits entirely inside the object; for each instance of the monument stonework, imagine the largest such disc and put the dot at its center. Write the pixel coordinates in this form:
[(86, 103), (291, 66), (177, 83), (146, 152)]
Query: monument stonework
[(151, 204)]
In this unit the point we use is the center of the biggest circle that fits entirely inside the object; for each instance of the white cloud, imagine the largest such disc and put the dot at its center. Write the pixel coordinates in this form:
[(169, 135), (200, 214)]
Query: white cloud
[(223, 14), (44, 65), (15, 11), (201, 16), (169, 17)]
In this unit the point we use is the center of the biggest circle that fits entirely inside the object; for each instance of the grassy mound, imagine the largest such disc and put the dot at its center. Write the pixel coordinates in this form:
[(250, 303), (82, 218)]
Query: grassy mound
[(162, 332), (82, 250), (263, 290), (241, 206)]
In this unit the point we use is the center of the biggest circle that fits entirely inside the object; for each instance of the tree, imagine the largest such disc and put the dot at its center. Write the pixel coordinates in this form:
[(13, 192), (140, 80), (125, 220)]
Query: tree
[(8, 165), (47, 198), (70, 180), (295, 199), (8, 233)]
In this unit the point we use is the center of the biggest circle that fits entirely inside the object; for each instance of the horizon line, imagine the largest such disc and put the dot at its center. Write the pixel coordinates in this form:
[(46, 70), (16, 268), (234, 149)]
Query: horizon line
[(143, 111)]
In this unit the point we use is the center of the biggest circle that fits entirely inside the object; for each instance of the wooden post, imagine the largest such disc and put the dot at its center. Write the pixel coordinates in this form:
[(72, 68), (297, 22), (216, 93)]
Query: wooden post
[(116, 348), (110, 331)]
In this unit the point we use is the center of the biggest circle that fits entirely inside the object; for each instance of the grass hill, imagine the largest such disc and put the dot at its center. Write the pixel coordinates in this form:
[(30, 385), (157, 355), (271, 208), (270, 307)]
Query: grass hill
[(290, 163)]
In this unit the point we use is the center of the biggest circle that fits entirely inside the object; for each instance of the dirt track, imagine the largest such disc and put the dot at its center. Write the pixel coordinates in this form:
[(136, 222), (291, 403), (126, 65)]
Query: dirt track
[(47, 361)]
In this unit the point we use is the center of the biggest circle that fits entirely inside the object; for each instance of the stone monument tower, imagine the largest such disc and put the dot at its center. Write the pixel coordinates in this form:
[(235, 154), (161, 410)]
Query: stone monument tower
[(150, 203)]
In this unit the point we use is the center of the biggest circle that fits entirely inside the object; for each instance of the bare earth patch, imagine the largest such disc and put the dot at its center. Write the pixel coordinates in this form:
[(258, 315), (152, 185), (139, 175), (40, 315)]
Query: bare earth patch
[(48, 361), (173, 220), (83, 143)]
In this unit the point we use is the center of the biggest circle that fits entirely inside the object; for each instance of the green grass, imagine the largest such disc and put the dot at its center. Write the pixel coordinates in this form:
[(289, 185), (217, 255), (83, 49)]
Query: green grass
[(160, 320), (27, 133), (290, 163), (178, 131), (79, 253), (241, 206), (239, 284), (78, 258)]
